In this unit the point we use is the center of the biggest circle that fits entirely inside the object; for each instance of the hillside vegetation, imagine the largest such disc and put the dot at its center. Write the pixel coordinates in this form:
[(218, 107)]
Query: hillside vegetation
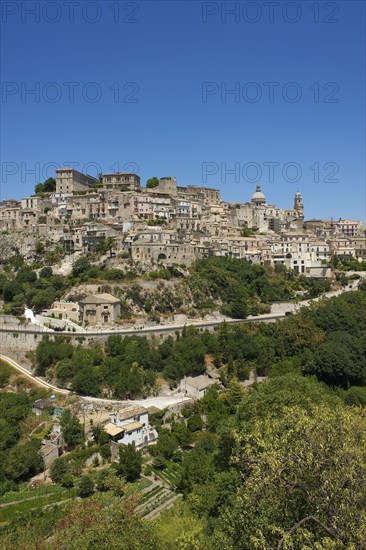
[(236, 287), (327, 339), (281, 465)]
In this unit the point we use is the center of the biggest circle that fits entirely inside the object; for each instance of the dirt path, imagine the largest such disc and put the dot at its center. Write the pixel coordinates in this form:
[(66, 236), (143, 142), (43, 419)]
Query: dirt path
[(29, 375)]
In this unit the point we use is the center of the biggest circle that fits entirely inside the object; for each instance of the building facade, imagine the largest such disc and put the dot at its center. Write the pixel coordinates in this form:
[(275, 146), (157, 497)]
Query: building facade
[(99, 309)]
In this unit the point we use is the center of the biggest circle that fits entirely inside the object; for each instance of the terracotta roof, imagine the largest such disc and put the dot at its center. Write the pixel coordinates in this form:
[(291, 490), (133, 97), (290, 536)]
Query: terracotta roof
[(130, 411), (132, 426), (112, 429)]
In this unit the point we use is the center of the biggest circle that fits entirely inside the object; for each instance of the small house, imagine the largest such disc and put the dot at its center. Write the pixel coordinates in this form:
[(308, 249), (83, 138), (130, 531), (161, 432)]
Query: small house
[(42, 405), (99, 308), (196, 386), (130, 425)]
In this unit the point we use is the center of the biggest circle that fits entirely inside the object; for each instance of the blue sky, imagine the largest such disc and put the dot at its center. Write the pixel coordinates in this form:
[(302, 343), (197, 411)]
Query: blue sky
[(149, 87)]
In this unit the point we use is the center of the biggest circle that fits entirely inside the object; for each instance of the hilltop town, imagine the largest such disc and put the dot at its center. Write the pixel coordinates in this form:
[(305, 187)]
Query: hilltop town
[(173, 224), (118, 223)]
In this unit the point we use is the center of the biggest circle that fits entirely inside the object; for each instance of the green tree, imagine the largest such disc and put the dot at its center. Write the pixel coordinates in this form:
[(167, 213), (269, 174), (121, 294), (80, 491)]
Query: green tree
[(333, 364), (65, 370), (198, 468), (5, 374), (26, 275), (86, 382), (39, 248), (59, 469), (80, 266), (166, 445), (106, 245), (100, 436), (130, 462), (303, 484), (181, 529), (46, 272), (14, 407), (356, 396), (67, 481), (247, 232), (48, 352), (194, 423), (271, 397), (85, 487), (72, 430), (48, 186), (152, 182), (117, 486), (43, 299), (23, 461), (182, 434), (238, 309), (102, 481)]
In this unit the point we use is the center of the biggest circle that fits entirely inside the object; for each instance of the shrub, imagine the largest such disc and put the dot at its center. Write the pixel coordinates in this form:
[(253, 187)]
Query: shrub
[(85, 487), (195, 423)]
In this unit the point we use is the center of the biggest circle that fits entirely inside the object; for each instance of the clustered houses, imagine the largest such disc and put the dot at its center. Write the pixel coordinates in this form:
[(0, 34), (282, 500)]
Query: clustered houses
[(176, 224)]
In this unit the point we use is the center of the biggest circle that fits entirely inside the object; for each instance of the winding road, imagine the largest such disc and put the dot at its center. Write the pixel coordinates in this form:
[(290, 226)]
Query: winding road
[(32, 377)]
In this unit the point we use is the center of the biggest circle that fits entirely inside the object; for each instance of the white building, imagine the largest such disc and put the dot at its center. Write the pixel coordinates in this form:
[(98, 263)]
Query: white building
[(302, 254), (130, 425)]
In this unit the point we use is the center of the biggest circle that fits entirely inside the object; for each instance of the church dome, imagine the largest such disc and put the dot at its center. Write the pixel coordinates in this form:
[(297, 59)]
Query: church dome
[(258, 196)]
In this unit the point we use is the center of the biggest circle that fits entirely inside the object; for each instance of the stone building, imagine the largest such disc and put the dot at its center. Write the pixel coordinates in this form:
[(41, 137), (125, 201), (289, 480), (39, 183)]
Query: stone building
[(359, 244), (196, 386), (69, 180), (10, 218), (99, 308), (64, 310), (94, 233), (347, 228), (167, 186), (122, 181), (205, 195)]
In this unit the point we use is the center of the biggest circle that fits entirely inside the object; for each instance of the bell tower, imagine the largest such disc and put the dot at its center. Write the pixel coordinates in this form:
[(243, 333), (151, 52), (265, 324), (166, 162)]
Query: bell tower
[(298, 206)]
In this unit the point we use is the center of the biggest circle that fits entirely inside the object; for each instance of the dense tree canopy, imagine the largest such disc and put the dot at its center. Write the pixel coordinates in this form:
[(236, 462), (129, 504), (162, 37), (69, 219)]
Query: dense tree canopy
[(327, 339), (130, 462), (19, 459), (72, 430), (304, 481)]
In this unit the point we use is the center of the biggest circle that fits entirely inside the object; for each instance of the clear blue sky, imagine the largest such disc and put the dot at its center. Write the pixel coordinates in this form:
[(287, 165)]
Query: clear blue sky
[(177, 123)]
